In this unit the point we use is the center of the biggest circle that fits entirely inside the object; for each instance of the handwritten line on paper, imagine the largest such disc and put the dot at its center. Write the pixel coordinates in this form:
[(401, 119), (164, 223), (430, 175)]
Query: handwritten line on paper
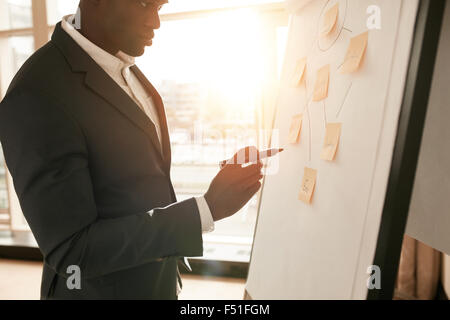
[(347, 29), (343, 101)]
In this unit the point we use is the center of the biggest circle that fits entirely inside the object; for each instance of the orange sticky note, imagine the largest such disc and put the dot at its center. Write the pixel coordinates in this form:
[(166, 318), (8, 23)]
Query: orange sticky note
[(308, 185), (321, 85), (296, 128), (355, 53), (299, 73), (329, 20), (331, 143)]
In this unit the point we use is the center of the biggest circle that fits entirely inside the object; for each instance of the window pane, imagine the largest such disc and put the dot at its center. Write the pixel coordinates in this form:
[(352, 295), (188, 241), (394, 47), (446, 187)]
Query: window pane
[(15, 14), (14, 51), (192, 5), (210, 74), (3, 188), (56, 9), (21, 48)]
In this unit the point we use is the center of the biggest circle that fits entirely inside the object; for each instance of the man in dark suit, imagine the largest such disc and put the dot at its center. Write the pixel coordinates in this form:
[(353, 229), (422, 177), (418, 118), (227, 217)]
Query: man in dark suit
[(90, 158)]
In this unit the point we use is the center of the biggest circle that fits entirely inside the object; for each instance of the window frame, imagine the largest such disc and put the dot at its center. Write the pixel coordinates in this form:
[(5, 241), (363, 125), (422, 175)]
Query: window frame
[(38, 28)]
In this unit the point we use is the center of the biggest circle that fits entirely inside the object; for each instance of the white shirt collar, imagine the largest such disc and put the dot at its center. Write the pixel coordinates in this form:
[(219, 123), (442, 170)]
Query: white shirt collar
[(110, 63)]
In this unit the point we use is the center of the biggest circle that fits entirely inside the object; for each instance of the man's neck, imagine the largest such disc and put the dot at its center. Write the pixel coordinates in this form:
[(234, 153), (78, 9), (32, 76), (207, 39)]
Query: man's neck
[(92, 31), (98, 39)]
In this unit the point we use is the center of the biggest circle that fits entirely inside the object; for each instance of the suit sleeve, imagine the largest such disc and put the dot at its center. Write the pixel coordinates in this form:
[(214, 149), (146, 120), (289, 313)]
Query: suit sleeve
[(47, 155)]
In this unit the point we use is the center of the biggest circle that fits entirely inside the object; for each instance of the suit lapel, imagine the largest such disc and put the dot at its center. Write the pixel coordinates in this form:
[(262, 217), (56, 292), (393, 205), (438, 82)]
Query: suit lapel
[(157, 100), (104, 86)]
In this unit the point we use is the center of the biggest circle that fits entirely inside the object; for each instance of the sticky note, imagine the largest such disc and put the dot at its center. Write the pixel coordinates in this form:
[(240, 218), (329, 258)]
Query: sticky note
[(355, 53), (331, 143), (329, 20), (321, 85), (296, 128), (308, 185), (299, 73)]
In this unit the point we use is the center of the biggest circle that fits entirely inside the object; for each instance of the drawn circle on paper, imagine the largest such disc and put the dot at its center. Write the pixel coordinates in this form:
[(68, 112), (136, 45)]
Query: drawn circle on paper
[(325, 43)]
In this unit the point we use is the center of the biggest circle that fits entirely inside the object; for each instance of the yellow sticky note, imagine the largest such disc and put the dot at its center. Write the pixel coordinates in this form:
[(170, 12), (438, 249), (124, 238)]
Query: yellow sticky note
[(308, 185), (329, 20), (355, 53), (299, 73), (331, 143), (296, 128), (321, 85)]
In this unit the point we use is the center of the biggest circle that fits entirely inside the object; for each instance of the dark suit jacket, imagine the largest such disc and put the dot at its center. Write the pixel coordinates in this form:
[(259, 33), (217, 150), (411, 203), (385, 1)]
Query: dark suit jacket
[(87, 168)]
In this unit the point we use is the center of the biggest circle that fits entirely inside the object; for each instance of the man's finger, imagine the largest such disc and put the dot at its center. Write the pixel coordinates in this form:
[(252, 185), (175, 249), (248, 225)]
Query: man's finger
[(252, 190), (230, 166), (250, 170), (251, 180)]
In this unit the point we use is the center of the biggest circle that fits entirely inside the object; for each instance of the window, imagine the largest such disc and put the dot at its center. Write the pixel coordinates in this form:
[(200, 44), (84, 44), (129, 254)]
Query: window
[(20, 48), (16, 45), (215, 63), (182, 6), (56, 9), (3, 185), (5, 219), (211, 69), (15, 14), (16, 38), (24, 27)]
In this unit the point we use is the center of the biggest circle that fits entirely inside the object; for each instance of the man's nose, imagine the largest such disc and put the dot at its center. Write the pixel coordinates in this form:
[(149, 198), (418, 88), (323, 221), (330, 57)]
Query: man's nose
[(152, 20)]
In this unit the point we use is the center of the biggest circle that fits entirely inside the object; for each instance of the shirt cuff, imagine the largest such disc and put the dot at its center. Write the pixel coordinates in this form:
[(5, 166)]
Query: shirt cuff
[(205, 215)]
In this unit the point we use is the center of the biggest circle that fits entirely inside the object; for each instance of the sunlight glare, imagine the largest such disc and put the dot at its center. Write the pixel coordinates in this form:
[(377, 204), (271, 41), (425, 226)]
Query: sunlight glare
[(222, 51)]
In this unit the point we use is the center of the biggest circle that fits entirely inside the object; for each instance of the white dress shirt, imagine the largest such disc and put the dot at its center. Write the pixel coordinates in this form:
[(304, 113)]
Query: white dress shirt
[(118, 68)]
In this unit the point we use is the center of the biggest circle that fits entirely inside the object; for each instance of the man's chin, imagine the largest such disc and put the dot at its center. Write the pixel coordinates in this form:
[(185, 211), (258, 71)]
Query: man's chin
[(136, 52), (141, 49)]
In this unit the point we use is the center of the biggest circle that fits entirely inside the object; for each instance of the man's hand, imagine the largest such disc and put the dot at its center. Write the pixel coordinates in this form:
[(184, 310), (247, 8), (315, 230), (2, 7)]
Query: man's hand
[(232, 188)]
